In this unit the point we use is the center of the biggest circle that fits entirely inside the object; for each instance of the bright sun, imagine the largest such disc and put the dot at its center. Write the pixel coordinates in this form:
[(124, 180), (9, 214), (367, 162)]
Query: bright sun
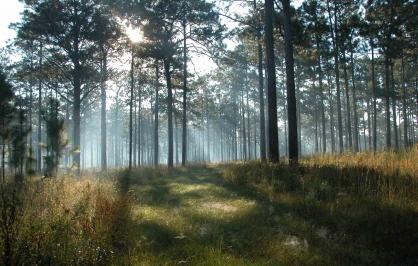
[(134, 34)]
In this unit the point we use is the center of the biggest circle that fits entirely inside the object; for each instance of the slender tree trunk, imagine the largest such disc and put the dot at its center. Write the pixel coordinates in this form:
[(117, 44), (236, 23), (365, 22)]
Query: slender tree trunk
[(39, 148), (76, 126), (156, 107), (347, 98), (170, 162), (184, 120), (331, 112), (369, 129), (248, 125), (31, 85), (321, 91), (3, 159), (405, 117), (135, 134), (103, 110), (139, 128), (387, 103), (131, 99), (355, 116), (395, 126), (243, 130), (261, 92), (334, 36), (273, 145), (290, 84), (374, 101)]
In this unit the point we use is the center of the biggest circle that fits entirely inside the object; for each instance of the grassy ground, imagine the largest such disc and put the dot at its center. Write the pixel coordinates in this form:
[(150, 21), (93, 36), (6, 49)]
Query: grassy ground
[(330, 211), (195, 218)]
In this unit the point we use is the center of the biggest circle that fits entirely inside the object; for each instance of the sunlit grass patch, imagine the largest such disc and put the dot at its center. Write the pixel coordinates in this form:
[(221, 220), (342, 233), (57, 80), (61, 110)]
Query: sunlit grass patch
[(65, 221), (358, 208)]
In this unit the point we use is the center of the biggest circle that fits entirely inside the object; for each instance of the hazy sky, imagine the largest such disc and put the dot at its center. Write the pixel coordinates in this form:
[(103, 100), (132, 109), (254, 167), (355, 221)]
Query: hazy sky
[(9, 13)]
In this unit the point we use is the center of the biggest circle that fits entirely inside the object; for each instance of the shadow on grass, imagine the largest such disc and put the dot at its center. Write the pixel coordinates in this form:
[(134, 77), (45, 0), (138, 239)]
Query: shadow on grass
[(325, 219)]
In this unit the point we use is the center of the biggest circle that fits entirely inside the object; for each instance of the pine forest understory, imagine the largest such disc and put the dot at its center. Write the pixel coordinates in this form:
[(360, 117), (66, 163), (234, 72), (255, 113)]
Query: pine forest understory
[(209, 132)]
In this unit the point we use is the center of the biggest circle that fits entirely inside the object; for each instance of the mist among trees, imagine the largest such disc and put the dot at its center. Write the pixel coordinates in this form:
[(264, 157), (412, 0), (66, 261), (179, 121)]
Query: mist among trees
[(317, 100)]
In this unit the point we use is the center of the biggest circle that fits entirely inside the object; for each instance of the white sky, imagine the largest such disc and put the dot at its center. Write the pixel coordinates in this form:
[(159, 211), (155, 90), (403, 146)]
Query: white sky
[(9, 13)]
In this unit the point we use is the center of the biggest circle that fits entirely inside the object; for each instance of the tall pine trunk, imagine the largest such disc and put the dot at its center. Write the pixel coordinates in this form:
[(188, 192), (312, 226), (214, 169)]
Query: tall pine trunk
[(355, 115), (131, 99), (405, 117), (347, 98), (184, 114), (39, 137), (167, 73), (261, 92), (156, 110), (334, 36), (374, 101), (321, 91), (273, 145), (290, 84), (393, 92), (387, 103), (103, 110), (76, 120)]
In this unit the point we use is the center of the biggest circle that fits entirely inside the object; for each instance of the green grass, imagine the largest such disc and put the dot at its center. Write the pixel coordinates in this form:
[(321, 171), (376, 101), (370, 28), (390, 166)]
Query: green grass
[(333, 213)]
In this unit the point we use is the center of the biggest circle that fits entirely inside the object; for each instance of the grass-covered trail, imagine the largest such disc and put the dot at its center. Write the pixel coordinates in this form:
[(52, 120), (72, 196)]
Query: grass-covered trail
[(193, 217)]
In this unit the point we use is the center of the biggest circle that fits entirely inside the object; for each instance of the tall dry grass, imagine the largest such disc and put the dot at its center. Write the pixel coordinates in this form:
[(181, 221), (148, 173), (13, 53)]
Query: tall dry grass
[(388, 162), (390, 175), (64, 221)]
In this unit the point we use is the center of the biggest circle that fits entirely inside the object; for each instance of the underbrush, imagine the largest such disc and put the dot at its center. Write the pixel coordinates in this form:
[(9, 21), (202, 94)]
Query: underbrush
[(64, 221), (367, 203), (143, 174), (388, 175)]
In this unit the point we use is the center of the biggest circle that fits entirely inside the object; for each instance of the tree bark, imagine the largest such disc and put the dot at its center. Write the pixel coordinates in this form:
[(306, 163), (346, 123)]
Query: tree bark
[(290, 83), (395, 126), (347, 98), (405, 117), (261, 92), (355, 115), (103, 110), (170, 162), (77, 120), (387, 103), (374, 101), (184, 120), (39, 149), (131, 99), (321, 91), (139, 128), (156, 110), (273, 147), (334, 36)]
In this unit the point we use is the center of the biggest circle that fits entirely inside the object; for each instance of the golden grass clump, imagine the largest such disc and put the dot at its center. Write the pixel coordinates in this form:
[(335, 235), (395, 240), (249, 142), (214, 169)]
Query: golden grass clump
[(63, 221), (389, 175), (388, 162)]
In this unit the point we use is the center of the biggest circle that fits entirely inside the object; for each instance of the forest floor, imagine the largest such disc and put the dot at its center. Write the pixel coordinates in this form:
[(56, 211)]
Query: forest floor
[(350, 209), (194, 217)]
